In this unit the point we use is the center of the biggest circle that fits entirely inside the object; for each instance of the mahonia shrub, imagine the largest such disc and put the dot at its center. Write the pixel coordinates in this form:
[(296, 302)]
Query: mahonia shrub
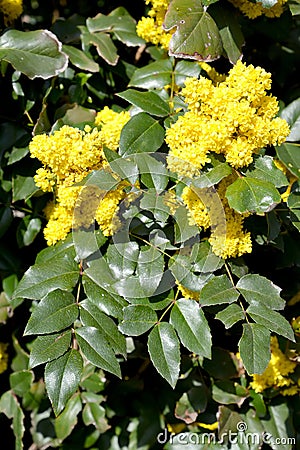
[(150, 190)]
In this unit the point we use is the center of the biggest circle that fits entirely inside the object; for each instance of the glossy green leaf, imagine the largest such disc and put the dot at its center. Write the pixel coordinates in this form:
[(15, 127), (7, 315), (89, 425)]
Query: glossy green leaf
[(151, 202), (184, 69), (46, 348), (55, 271), (62, 377), (153, 76), (196, 36), (226, 393), (109, 303), (23, 187), (97, 350), (192, 328), (228, 422), (153, 172), (34, 53), (182, 228), (10, 406), (103, 43), (272, 320), (81, 59), (289, 154), (163, 346), (203, 259), (149, 102), (20, 382), (182, 269), (264, 169), (137, 319), (259, 290), (254, 347), (141, 134), (87, 242), (150, 268), (252, 195), (17, 154), (67, 420), (231, 315), (122, 258), (91, 315), (213, 176), (54, 312), (291, 114), (118, 22), (217, 291)]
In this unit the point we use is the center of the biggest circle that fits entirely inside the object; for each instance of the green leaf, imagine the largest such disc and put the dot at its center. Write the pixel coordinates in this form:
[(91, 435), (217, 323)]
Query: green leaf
[(120, 23), (217, 291), (153, 76), (191, 325), (111, 304), (103, 43), (87, 242), (81, 59), (265, 169), (254, 347), (150, 269), (289, 154), (10, 406), (226, 392), (62, 377), (196, 36), (163, 346), (149, 102), (151, 202), (122, 258), (97, 350), (54, 312), (279, 427), (47, 348), (231, 315), (203, 259), (6, 218), (258, 290), (271, 320), (252, 195), (94, 414), (184, 69), (23, 187), (137, 319), (182, 228), (52, 271), (230, 32), (17, 154), (291, 114), (141, 134), (213, 176), (90, 315), (34, 53), (153, 172), (20, 382), (184, 410), (293, 203), (66, 421), (27, 230)]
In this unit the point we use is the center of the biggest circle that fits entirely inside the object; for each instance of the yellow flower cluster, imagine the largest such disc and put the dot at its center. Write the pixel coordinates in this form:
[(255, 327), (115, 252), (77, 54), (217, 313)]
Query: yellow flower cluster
[(11, 10), (234, 118), (187, 293), (150, 28), (276, 374), (215, 76), (3, 357), (228, 238), (254, 10), (68, 156)]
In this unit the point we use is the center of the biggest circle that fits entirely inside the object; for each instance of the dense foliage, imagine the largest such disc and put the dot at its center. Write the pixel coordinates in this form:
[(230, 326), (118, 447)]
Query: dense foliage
[(149, 224)]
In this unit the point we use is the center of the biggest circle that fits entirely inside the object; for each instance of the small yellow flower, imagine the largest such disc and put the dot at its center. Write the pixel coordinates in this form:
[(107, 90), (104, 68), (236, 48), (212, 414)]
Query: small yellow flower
[(11, 10), (254, 10), (3, 357), (150, 28)]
